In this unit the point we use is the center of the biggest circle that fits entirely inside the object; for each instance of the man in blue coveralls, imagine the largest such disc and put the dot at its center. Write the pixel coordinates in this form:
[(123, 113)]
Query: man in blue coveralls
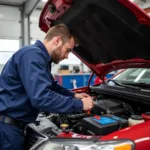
[(27, 87)]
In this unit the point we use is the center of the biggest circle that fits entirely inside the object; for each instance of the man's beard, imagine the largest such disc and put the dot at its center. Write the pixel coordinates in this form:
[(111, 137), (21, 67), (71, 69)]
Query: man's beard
[(55, 55)]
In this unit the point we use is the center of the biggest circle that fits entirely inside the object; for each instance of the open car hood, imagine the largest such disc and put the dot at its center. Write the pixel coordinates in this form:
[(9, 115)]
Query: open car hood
[(112, 34)]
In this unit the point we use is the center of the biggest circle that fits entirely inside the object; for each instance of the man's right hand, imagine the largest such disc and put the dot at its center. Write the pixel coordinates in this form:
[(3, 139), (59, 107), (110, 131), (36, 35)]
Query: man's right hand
[(87, 103)]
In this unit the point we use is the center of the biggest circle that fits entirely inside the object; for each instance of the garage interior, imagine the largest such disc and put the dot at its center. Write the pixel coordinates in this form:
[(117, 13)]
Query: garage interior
[(112, 99)]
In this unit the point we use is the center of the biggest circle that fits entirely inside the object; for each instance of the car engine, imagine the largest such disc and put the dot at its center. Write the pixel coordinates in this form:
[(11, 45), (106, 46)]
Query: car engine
[(107, 116)]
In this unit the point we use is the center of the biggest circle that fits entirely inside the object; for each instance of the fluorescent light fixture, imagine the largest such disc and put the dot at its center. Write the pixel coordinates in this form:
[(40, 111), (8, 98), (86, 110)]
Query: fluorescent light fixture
[(44, 1)]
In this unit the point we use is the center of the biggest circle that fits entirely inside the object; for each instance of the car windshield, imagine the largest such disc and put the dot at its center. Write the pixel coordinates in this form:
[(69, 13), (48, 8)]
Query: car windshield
[(134, 75)]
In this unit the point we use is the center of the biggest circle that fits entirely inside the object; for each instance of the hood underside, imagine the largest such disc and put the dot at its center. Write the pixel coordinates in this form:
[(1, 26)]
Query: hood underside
[(112, 33)]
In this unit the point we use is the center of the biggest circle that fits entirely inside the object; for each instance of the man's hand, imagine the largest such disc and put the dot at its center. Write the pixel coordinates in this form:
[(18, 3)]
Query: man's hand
[(88, 103), (81, 95)]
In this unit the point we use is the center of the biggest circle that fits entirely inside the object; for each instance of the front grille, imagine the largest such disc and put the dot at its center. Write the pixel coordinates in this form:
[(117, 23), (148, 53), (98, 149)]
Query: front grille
[(30, 141), (31, 138)]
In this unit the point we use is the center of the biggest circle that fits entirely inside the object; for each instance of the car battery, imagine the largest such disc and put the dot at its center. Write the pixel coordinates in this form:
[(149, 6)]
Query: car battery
[(102, 125)]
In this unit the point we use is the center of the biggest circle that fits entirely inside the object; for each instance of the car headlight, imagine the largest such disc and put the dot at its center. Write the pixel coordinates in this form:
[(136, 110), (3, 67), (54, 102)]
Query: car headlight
[(86, 144)]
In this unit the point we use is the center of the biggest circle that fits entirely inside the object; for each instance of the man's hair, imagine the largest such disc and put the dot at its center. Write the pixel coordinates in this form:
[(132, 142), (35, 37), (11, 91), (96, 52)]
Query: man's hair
[(59, 30)]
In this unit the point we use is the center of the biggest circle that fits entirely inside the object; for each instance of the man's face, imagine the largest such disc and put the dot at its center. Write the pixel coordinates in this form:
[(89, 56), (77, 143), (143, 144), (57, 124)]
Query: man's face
[(61, 52)]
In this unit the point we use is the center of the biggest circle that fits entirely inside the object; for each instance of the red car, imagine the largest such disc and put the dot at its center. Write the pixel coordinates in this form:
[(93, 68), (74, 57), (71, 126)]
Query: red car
[(113, 35)]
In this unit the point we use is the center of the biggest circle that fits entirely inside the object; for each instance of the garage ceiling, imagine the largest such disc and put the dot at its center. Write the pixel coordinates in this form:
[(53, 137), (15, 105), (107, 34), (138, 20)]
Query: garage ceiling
[(19, 3)]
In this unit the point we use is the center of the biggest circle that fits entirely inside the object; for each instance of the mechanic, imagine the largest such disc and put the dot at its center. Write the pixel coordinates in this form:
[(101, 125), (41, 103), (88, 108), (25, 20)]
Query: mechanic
[(27, 87)]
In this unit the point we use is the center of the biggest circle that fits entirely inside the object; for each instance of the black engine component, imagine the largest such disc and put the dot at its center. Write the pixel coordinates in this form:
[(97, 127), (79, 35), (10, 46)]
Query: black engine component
[(102, 125), (70, 119), (108, 106)]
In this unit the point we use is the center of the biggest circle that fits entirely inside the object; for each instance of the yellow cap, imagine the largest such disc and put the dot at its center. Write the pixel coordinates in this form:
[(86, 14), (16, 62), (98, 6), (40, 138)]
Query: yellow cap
[(64, 125)]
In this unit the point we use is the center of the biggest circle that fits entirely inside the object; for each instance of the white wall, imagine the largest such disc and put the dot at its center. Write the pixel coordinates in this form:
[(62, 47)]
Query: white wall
[(143, 4), (36, 33), (10, 27), (146, 5), (1, 67)]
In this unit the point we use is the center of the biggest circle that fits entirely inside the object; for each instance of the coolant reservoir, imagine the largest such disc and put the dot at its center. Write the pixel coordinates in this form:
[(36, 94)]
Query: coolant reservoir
[(135, 119)]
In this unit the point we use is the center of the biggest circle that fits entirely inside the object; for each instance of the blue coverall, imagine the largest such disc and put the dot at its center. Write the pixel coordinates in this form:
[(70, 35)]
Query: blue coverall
[(27, 87)]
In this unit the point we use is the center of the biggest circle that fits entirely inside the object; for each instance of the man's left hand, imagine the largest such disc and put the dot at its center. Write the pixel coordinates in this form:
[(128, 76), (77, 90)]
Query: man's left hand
[(81, 95)]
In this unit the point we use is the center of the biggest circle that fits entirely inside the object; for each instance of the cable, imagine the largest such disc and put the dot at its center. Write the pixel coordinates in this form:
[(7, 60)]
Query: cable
[(76, 124), (128, 108)]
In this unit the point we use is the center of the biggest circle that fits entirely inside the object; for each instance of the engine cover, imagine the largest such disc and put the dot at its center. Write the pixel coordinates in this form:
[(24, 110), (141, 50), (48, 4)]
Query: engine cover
[(108, 107), (102, 125)]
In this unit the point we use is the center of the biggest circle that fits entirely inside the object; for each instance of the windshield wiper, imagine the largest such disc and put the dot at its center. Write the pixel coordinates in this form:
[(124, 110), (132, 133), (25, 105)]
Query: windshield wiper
[(124, 85), (144, 86), (138, 83)]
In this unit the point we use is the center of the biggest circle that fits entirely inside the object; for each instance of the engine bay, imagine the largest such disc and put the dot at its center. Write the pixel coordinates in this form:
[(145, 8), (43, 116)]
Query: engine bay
[(107, 116)]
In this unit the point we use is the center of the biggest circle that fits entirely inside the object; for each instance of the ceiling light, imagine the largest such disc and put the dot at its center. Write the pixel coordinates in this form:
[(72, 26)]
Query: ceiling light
[(44, 1)]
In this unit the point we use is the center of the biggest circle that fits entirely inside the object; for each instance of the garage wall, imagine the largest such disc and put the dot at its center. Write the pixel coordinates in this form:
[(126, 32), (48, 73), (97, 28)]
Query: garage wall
[(1, 67), (143, 4), (10, 32), (35, 31), (10, 25), (146, 5), (10, 22)]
